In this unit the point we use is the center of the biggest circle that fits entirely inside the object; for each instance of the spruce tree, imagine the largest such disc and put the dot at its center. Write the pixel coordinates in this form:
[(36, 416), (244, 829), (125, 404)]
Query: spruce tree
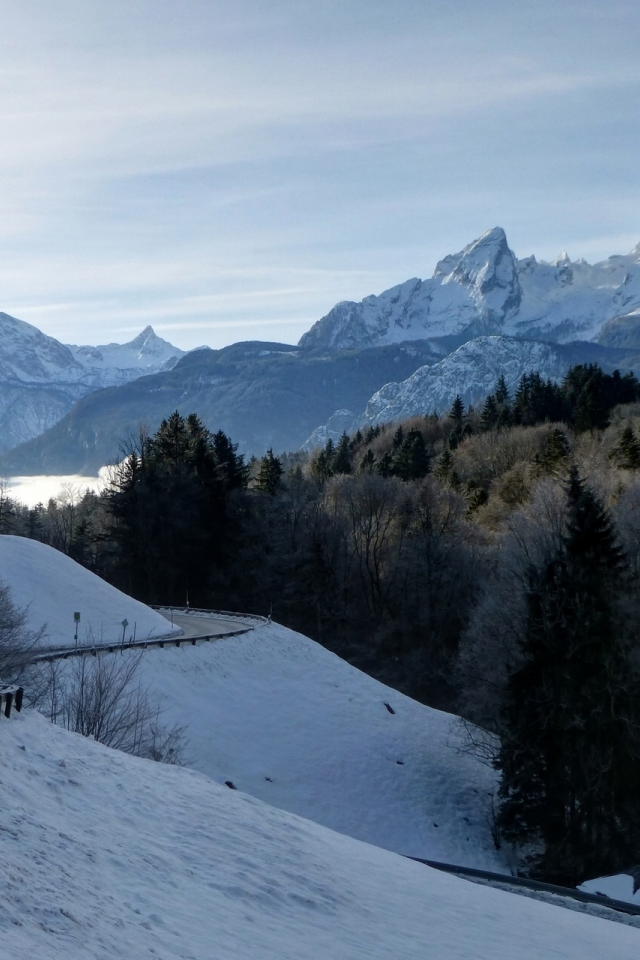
[(411, 460), (503, 398), (368, 462), (342, 456), (570, 747), (269, 479), (554, 453), (457, 410), (489, 413), (627, 451)]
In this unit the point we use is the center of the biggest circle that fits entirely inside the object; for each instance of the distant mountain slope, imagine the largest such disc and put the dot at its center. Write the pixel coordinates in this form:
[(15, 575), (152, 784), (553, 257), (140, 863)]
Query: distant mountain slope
[(484, 289), (41, 378), (471, 372), (261, 394)]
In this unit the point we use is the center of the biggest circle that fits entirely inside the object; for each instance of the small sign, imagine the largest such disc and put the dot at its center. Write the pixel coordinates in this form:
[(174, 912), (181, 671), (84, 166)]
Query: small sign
[(76, 617), (125, 623)]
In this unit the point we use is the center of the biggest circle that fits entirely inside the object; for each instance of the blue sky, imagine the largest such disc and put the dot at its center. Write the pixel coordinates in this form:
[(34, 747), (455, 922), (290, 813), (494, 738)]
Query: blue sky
[(229, 170)]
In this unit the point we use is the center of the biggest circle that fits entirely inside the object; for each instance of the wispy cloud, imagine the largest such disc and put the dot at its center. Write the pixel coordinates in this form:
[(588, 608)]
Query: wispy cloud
[(164, 160)]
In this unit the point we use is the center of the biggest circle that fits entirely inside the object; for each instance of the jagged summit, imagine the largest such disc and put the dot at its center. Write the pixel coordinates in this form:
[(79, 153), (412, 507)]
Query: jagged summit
[(147, 353), (484, 289)]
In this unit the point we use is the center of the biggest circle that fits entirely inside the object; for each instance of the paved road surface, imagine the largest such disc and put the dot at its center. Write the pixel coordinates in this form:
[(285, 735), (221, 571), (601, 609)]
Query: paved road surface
[(195, 626)]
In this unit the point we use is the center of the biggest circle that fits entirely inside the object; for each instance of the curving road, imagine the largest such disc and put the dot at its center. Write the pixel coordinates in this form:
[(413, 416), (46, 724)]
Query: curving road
[(200, 625)]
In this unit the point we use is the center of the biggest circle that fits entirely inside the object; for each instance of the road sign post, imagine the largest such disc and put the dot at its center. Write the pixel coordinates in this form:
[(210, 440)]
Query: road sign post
[(76, 620)]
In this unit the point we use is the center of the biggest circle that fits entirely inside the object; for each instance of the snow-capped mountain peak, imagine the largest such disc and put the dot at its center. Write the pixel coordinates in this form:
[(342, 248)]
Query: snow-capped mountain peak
[(147, 352), (485, 290)]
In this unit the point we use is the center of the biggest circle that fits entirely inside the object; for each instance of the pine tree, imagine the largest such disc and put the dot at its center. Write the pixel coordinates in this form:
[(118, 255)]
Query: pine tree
[(342, 457), (411, 460), (570, 747), (368, 462), (457, 411), (489, 413), (627, 451), (269, 479)]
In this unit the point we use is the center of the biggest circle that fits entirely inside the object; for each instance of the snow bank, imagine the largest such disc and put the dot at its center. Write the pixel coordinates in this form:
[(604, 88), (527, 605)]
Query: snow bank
[(54, 587), (289, 722), (623, 886), (114, 858)]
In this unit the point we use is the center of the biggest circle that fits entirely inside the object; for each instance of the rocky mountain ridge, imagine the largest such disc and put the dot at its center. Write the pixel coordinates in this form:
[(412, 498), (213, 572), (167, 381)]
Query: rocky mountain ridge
[(486, 290), (470, 372)]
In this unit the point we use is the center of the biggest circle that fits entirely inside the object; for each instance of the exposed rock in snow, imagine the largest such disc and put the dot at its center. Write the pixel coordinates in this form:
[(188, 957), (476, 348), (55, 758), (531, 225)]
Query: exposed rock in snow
[(470, 372), (484, 289)]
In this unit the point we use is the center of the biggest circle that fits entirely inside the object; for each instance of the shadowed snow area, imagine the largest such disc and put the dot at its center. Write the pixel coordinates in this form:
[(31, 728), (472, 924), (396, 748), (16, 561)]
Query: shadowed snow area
[(54, 587), (291, 723), (115, 858)]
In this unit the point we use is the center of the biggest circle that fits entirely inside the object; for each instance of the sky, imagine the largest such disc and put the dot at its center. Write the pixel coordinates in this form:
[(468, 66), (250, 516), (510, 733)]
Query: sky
[(228, 170)]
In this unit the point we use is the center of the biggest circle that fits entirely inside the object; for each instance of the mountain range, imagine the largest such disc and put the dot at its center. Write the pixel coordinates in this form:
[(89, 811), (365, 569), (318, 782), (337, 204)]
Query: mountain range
[(409, 350), (485, 290), (41, 379)]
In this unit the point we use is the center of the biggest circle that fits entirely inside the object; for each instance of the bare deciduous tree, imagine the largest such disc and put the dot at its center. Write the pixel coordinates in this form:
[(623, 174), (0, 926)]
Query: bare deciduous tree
[(17, 640), (102, 698)]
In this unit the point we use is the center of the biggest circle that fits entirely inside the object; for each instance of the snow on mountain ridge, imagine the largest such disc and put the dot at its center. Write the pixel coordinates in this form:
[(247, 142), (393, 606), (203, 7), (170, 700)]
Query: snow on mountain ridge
[(146, 353), (41, 378), (484, 289), (470, 372)]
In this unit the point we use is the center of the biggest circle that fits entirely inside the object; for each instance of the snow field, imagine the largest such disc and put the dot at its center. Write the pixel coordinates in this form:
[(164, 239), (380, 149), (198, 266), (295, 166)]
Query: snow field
[(54, 587), (292, 724), (114, 858)]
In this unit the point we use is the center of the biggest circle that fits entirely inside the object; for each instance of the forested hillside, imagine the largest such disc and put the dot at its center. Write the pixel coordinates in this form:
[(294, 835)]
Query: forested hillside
[(486, 562)]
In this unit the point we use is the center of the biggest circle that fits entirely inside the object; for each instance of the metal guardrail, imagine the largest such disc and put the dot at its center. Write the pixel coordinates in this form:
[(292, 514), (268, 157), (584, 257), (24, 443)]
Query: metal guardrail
[(233, 615), (93, 649), (470, 872)]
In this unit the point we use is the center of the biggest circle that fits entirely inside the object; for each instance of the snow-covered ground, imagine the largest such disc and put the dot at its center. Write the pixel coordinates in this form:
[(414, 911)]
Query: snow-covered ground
[(623, 886), (288, 722), (114, 858), (55, 587), (285, 720)]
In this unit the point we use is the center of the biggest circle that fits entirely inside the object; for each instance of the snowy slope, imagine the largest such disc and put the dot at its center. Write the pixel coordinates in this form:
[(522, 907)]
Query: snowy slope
[(54, 587), (289, 722), (274, 704), (485, 289), (113, 858)]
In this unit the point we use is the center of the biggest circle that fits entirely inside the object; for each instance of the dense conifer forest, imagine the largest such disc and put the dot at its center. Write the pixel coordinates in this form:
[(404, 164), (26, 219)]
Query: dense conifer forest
[(485, 562)]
